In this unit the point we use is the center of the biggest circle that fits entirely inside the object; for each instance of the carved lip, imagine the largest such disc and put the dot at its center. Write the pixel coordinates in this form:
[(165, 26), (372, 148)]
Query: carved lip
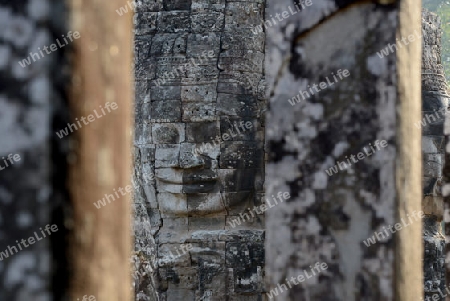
[(199, 178), (170, 180), (191, 178)]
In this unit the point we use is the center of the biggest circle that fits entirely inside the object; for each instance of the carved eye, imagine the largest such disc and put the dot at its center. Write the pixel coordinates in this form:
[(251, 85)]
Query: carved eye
[(166, 134)]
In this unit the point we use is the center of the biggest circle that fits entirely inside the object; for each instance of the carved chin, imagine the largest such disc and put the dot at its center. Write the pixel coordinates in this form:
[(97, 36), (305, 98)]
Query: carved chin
[(200, 204), (206, 187), (201, 192)]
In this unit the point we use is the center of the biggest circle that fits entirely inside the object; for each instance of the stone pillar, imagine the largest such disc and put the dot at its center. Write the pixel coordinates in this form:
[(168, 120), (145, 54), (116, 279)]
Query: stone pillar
[(199, 154), (342, 142), (434, 107), (32, 179)]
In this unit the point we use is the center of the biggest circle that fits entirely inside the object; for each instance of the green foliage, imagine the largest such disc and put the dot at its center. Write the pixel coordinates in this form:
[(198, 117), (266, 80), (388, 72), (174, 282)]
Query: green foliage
[(431, 5), (442, 9)]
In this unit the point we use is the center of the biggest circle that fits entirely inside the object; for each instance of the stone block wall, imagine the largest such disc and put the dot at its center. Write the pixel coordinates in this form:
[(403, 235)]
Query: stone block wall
[(199, 150)]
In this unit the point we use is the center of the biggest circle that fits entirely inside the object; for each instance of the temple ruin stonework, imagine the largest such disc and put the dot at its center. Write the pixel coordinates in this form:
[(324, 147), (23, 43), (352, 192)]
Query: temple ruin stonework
[(434, 109), (199, 150)]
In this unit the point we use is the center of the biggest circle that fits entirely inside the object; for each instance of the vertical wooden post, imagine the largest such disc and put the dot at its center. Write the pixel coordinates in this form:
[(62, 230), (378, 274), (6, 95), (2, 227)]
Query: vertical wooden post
[(408, 177), (102, 68)]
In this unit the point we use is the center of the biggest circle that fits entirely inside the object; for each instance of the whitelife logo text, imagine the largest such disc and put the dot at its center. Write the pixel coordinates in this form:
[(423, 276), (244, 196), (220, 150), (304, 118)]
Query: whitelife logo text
[(12, 250), (53, 47), (391, 48), (379, 236), (321, 85), (90, 118), (12, 158), (281, 17), (281, 196), (343, 165), (225, 137), (318, 268)]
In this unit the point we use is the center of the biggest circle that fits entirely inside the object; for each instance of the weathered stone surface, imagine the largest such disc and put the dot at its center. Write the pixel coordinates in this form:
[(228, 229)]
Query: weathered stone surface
[(434, 107), (328, 216), (433, 78), (199, 125)]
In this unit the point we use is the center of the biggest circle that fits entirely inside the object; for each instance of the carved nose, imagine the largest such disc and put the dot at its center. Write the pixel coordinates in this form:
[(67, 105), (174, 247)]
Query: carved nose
[(191, 161)]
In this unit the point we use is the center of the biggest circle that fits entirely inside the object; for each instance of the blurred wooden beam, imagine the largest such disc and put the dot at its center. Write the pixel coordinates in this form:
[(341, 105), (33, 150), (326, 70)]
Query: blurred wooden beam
[(102, 75)]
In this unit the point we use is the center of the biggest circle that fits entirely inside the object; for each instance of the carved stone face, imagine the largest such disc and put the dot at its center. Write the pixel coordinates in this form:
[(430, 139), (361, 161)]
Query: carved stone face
[(434, 106), (198, 172), (434, 114), (200, 143), (194, 83)]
